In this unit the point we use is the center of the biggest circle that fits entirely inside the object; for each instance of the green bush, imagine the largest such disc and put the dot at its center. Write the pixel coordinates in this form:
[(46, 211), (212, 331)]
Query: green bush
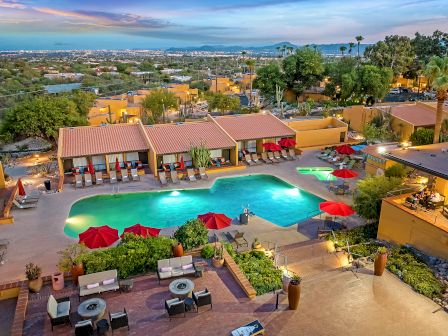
[(397, 170), (358, 235), (260, 271), (364, 250), (134, 255), (207, 252), (192, 234), (422, 136)]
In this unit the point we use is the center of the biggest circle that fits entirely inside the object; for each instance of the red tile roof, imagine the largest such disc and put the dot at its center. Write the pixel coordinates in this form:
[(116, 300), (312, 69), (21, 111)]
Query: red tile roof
[(415, 115), (177, 138), (97, 140), (254, 126)]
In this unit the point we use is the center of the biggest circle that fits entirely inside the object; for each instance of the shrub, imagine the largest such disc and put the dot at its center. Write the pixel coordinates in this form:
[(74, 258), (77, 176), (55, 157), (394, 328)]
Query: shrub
[(364, 250), (69, 256), (358, 235), (422, 136), (397, 170), (192, 234), (134, 255), (32, 271), (207, 252)]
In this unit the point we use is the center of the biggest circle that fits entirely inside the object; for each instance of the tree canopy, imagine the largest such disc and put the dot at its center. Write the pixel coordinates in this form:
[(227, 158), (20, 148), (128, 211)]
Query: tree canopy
[(156, 104), (222, 102), (268, 77)]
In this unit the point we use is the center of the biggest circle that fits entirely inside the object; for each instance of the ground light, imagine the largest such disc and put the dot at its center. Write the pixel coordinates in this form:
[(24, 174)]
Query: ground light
[(175, 193)]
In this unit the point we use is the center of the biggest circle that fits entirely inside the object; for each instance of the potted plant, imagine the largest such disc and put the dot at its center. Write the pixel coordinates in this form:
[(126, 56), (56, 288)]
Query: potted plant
[(218, 259), (294, 292), (256, 245), (178, 250), (380, 261), (33, 274), (70, 261)]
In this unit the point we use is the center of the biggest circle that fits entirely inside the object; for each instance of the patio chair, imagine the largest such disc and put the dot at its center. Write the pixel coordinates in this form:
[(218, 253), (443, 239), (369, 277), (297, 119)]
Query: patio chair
[(59, 311), (162, 178), (118, 320), (175, 307), (24, 205), (113, 176), (78, 181), (174, 177), (278, 156), (87, 180), (255, 326), (343, 162), (265, 158), (255, 159), (285, 155), (272, 158), (190, 174), (292, 154), (329, 155), (202, 173), (26, 200), (323, 153), (98, 178), (84, 328), (134, 174), (238, 238), (249, 160), (124, 175), (202, 298), (350, 164)]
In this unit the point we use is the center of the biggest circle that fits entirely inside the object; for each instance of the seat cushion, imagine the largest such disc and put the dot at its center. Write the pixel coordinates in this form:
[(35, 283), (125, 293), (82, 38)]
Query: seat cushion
[(52, 307), (117, 315), (163, 263), (177, 272), (63, 308), (189, 271), (164, 275), (185, 260), (83, 323), (170, 302), (175, 263)]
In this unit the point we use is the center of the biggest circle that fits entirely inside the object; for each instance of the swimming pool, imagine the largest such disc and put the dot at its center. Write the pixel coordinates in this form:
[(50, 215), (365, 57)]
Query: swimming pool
[(267, 196), (321, 173)]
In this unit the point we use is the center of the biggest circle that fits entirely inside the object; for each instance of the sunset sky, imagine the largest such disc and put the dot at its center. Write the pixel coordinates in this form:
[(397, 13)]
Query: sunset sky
[(112, 24)]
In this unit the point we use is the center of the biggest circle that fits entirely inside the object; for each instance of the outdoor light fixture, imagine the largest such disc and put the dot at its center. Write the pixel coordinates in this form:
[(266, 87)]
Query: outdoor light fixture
[(406, 144), (381, 150)]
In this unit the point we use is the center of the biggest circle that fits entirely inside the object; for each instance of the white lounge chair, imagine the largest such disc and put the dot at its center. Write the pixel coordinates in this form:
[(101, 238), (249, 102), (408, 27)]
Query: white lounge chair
[(255, 159), (87, 180), (272, 158), (78, 181), (24, 205), (113, 176), (265, 158), (278, 156), (98, 177), (292, 154), (202, 173), (249, 160), (191, 176), (162, 178), (174, 177), (23, 200), (124, 175), (134, 174), (285, 155)]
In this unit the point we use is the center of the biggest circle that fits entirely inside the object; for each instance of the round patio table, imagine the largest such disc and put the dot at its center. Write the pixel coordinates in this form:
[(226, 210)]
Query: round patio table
[(92, 309), (181, 288)]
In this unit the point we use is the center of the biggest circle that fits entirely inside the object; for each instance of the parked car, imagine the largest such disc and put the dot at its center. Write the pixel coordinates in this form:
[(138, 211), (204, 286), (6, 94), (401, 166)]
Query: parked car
[(394, 91), (429, 94)]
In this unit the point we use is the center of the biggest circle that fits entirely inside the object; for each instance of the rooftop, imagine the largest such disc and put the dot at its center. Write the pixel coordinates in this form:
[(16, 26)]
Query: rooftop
[(416, 115), (378, 149), (254, 126)]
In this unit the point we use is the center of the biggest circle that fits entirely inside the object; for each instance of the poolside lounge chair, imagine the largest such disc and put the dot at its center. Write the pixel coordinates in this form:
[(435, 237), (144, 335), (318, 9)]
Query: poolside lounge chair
[(327, 156), (124, 175), (255, 159), (249, 160), (344, 161), (265, 158), (87, 180), (174, 177), (285, 155), (26, 200), (24, 205), (78, 181), (134, 174), (278, 156), (324, 153), (292, 154), (238, 238), (202, 173), (272, 158), (98, 177), (190, 175), (162, 178), (350, 164), (113, 176), (256, 328)]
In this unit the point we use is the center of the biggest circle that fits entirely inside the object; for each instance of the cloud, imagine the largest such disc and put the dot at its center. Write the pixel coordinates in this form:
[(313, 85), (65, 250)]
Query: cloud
[(11, 4)]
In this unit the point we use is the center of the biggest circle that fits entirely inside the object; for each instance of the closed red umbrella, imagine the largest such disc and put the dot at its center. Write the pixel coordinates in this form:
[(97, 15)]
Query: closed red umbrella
[(101, 236), (336, 209), (91, 169), (345, 149), (271, 146), (117, 165), (287, 142), (141, 230), (21, 188), (182, 163), (215, 221), (344, 173)]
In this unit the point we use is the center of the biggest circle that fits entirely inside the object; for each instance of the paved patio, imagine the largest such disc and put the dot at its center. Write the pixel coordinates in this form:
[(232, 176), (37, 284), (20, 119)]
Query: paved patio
[(37, 234)]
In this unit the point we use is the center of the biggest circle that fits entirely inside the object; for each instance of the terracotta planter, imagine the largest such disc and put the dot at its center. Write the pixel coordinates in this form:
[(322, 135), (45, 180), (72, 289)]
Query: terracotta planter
[(256, 246), (76, 271), (57, 281), (178, 250), (218, 263), (380, 263), (35, 285), (293, 294)]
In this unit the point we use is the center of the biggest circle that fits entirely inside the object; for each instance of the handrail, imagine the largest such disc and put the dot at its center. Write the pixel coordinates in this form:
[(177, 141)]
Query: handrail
[(402, 191)]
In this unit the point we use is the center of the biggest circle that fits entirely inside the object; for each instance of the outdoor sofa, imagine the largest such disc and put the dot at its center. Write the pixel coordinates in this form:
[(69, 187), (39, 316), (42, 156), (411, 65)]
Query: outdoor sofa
[(96, 283), (174, 267)]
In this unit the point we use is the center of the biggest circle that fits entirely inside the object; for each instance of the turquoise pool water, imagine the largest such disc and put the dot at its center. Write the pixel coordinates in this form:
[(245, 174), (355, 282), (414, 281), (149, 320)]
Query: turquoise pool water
[(267, 196), (321, 173)]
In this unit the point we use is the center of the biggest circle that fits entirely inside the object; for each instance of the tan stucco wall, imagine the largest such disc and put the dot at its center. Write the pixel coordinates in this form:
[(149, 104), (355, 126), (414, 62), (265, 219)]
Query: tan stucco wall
[(358, 115), (402, 128)]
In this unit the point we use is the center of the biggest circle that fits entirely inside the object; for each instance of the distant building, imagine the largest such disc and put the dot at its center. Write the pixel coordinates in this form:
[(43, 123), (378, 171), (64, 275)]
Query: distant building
[(223, 85), (170, 71), (64, 75), (181, 78)]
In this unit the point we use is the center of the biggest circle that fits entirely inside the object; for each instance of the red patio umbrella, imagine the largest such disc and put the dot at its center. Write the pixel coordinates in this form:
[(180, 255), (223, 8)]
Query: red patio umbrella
[(91, 169), (271, 146), (345, 149), (141, 230), (117, 165), (287, 142), (182, 163), (21, 188), (344, 173), (336, 208), (101, 236), (215, 221)]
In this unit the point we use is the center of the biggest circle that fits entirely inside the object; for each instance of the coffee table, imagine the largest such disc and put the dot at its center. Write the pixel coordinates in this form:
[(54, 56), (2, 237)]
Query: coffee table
[(181, 288), (92, 309)]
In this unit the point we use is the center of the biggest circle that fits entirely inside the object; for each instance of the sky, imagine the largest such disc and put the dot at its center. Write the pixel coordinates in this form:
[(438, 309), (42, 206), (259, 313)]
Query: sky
[(149, 24)]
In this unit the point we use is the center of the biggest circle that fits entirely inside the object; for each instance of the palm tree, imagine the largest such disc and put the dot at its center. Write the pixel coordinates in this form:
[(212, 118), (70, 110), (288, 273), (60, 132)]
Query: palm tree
[(437, 73), (251, 65), (278, 50), (359, 38), (243, 54), (351, 45), (342, 48)]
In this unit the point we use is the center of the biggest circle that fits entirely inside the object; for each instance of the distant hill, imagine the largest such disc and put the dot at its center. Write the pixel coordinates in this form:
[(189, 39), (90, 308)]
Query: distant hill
[(326, 49)]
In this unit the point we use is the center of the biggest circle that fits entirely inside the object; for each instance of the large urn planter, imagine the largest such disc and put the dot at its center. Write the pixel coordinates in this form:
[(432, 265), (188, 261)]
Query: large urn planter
[(33, 274), (35, 285), (218, 262), (294, 292), (76, 271), (57, 281), (178, 250), (380, 261)]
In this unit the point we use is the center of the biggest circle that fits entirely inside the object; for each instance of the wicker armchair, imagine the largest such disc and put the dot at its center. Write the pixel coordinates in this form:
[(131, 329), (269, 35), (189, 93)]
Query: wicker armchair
[(202, 298), (84, 328), (58, 310), (175, 307), (118, 320)]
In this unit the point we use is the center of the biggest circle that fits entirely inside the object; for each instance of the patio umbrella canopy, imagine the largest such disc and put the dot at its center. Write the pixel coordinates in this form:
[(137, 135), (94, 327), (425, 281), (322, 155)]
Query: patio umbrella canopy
[(91, 169), (141, 230), (117, 165), (182, 163), (345, 149), (336, 209), (287, 142), (21, 188), (270, 146), (215, 221), (344, 173), (95, 237)]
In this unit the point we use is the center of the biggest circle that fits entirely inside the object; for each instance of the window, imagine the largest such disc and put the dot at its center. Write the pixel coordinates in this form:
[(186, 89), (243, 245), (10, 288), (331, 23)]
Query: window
[(170, 158), (214, 153)]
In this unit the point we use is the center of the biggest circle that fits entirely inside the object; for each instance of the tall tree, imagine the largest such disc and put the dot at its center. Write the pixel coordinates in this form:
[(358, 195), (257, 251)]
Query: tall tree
[(431, 45), (350, 49), (156, 104), (251, 66), (437, 73), (342, 48), (359, 38), (222, 102), (268, 77)]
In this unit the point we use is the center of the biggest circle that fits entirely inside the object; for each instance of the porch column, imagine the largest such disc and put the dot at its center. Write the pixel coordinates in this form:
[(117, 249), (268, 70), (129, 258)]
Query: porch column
[(260, 145), (107, 164), (234, 155), (152, 162)]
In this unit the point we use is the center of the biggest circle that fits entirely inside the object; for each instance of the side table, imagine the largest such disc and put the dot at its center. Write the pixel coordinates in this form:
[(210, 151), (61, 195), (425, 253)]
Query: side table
[(189, 303), (102, 327), (126, 285)]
